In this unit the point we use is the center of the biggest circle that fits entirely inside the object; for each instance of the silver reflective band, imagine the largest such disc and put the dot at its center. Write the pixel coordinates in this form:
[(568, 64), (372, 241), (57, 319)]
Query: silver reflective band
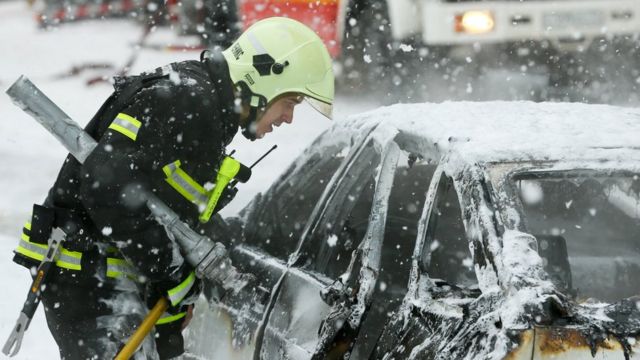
[(127, 125), (198, 197), (119, 267), (179, 292), (184, 184), (173, 166), (70, 262), (168, 318), (115, 267)]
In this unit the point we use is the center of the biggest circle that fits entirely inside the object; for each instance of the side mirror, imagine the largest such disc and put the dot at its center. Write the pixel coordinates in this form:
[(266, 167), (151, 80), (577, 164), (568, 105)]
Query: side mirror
[(522, 265)]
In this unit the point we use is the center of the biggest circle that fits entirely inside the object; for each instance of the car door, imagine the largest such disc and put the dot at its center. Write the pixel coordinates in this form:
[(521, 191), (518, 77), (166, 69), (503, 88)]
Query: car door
[(266, 234), (304, 324), (443, 283), (411, 182)]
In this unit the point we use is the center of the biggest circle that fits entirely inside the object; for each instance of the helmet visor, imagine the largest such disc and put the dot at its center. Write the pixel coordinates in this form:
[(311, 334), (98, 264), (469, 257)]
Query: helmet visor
[(321, 106)]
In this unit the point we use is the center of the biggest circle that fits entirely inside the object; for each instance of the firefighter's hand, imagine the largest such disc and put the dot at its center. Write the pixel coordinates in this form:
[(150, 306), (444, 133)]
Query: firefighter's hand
[(228, 194)]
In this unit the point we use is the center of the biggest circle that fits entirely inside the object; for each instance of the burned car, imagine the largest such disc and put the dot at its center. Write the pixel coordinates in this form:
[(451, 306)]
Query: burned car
[(500, 230)]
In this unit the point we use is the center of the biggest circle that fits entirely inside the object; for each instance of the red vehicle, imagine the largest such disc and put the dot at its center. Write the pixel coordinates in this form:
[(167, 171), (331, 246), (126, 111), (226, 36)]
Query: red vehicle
[(356, 32), (321, 15)]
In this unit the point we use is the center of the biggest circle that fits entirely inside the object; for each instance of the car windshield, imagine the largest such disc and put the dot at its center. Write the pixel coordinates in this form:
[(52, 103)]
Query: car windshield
[(587, 224)]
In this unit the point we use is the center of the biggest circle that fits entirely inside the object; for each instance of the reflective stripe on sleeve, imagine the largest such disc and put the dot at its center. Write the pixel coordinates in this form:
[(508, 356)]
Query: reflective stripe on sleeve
[(126, 125), (179, 292), (72, 259), (120, 268), (66, 259), (184, 184), (168, 318)]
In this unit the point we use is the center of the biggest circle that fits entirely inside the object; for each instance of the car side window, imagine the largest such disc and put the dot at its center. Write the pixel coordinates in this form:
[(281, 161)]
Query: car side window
[(344, 222), (276, 221), (406, 200), (446, 255)]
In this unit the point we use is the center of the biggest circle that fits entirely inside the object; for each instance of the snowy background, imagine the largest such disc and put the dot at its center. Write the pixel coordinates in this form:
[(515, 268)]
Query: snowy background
[(31, 157)]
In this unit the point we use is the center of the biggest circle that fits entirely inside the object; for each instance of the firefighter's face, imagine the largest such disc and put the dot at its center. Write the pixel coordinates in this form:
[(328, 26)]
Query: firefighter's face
[(278, 112)]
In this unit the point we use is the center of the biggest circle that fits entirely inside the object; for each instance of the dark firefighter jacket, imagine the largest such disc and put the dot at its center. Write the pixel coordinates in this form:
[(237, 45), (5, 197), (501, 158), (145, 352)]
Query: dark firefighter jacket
[(163, 132)]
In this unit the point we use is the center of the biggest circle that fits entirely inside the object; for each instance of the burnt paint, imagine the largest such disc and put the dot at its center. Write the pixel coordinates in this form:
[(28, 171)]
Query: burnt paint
[(553, 341)]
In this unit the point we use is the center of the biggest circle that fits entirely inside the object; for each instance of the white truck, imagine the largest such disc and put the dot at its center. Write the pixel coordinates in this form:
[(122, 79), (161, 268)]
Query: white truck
[(568, 25), (551, 32)]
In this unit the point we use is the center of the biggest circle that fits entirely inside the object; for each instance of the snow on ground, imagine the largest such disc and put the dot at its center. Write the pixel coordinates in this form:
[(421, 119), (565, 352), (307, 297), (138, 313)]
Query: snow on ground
[(31, 158)]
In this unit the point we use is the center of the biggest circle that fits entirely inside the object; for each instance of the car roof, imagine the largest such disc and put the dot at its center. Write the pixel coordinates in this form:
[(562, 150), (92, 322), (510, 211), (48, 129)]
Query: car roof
[(502, 131)]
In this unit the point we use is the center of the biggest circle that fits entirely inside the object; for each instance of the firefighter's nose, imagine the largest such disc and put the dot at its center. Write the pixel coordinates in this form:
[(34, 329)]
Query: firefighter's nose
[(288, 117)]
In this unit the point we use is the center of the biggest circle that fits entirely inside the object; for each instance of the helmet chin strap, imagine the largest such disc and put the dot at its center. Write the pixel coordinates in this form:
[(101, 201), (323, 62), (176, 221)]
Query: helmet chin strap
[(257, 103), (249, 127)]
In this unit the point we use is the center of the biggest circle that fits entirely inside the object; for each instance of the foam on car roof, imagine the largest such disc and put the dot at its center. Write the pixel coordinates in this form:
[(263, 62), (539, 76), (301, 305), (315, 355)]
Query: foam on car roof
[(513, 131)]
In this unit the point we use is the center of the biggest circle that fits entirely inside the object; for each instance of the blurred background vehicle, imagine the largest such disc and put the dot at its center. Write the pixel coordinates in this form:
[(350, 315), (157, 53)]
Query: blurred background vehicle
[(579, 44), (566, 49), (416, 50)]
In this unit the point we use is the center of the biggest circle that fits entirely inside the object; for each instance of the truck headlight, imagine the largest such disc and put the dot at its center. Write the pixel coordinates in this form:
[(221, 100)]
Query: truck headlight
[(474, 22)]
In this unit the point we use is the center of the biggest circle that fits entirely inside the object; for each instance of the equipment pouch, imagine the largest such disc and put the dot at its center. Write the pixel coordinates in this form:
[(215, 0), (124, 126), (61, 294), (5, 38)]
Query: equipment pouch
[(42, 222), (45, 218)]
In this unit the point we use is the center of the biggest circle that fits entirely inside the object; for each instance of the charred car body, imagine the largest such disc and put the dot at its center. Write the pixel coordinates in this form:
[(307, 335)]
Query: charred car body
[(444, 231)]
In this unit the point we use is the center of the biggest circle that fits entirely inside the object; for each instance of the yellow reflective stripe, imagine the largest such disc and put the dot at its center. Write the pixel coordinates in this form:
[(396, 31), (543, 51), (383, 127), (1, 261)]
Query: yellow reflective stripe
[(167, 318), (66, 259), (228, 170), (179, 292), (27, 225), (123, 131), (135, 122), (126, 125), (72, 259), (184, 184), (27, 238), (28, 253), (67, 265), (119, 268)]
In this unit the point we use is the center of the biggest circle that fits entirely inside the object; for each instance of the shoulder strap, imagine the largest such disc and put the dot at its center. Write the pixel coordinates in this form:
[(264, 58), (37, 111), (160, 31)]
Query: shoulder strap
[(134, 84), (125, 89)]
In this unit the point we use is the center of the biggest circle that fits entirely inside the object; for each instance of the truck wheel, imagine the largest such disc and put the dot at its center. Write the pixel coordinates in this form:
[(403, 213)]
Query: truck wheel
[(365, 55)]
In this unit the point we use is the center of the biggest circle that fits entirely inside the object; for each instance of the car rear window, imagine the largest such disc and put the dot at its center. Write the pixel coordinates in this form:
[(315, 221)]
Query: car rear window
[(587, 224)]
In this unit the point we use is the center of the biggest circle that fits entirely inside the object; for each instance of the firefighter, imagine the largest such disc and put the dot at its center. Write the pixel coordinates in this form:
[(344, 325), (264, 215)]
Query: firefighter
[(163, 132)]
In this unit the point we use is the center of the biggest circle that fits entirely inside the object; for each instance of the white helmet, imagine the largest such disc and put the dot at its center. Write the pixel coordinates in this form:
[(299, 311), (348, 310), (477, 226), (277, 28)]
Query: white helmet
[(277, 56)]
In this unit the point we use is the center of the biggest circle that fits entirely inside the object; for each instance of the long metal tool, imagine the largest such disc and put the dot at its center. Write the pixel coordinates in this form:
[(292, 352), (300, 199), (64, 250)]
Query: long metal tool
[(12, 346), (34, 102), (209, 258)]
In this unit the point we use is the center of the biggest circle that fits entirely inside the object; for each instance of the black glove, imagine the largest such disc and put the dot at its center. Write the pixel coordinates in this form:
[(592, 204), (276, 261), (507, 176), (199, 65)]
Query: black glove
[(227, 195), (169, 340)]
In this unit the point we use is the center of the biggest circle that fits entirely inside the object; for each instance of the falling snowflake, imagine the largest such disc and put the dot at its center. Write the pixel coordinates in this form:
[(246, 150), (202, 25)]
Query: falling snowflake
[(332, 240), (107, 230)]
